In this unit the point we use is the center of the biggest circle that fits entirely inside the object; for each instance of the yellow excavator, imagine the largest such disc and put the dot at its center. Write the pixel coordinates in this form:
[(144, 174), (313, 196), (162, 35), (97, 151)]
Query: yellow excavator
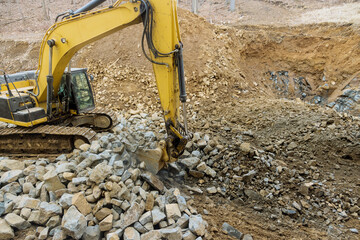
[(54, 108)]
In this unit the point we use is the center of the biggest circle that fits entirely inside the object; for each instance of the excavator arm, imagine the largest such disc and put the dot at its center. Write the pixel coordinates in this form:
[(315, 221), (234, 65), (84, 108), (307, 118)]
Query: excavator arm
[(162, 37)]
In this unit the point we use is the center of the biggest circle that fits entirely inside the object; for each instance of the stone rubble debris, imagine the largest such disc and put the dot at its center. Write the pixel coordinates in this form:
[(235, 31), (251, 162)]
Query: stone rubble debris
[(269, 177), (231, 231), (95, 192), (121, 193)]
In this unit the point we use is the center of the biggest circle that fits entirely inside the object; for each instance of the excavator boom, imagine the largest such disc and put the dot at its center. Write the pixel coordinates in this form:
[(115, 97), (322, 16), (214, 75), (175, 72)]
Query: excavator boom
[(161, 44)]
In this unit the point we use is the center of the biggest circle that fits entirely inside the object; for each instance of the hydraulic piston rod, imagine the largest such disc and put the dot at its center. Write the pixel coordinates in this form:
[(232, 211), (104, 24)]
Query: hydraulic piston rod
[(91, 5), (50, 79)]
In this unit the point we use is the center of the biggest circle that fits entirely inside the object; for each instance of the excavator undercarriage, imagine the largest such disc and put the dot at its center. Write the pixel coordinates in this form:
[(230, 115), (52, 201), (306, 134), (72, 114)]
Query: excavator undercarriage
[(55, 137), (44, 139)]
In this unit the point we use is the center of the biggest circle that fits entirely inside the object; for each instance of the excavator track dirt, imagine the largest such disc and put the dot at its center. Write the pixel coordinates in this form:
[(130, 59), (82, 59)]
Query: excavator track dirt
[(108, 113), (45, 139), (52, 139)]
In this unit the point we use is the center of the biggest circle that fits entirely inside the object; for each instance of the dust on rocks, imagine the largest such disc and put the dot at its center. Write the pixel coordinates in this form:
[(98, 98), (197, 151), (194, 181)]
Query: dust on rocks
[(105, 198)]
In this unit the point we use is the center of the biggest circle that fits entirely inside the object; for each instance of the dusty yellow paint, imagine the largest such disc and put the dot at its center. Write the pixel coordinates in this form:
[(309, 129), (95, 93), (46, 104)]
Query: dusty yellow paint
[(25, 124), (72, 34), (73, 111), (165, 36), (18, 85), (84, 29), (76, 33)]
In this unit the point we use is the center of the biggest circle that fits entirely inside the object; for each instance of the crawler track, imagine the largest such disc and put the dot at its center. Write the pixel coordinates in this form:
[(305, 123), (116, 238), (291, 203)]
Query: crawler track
[(45, 139), (108, 113), (50, 139)]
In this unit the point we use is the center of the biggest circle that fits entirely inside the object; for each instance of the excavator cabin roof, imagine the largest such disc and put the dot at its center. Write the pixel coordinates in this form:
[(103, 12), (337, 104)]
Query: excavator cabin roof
[(30, 75)]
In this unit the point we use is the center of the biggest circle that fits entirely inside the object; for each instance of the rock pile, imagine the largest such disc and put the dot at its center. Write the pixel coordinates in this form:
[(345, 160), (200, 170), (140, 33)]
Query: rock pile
[(96, 191), (281, 170)]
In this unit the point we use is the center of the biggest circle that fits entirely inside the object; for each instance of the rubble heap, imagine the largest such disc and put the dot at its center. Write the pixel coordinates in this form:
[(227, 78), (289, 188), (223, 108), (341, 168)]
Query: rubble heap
[(97, 191), (282, 158), (278, 159)]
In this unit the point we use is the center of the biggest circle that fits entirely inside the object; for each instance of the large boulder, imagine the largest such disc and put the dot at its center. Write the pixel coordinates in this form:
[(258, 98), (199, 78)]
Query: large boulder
[(52, 181), (74, 223), (92, 233), (48, 210), (131, 234), (79, 201), (16, 221), (7, 164), (100, 172), (197, 225), (6, 232), (132, 215), (11, 176)]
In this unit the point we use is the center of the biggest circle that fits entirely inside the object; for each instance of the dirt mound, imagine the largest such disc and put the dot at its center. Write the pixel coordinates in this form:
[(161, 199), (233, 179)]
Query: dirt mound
[(243, 57), (320, 53), (19, 55), (237, 60)]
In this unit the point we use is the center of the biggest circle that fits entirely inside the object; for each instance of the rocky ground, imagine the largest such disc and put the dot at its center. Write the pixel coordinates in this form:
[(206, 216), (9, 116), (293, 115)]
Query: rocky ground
[(265, 162), (292, 163), (97, 191)]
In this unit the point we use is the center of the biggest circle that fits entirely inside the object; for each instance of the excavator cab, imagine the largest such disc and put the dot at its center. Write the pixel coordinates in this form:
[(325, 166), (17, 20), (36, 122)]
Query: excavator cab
[(81, 94)]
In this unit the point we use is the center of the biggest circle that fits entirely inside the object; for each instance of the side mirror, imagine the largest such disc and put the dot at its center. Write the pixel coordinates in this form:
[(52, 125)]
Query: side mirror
[(91, 77)]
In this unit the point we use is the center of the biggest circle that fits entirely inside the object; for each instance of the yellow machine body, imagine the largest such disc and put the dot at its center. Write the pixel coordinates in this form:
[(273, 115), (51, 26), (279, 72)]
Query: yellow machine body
[(63, 39)]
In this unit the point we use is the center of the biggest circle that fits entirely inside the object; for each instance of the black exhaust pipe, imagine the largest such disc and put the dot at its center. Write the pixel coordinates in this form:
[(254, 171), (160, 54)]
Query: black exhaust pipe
[(91, 5)]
